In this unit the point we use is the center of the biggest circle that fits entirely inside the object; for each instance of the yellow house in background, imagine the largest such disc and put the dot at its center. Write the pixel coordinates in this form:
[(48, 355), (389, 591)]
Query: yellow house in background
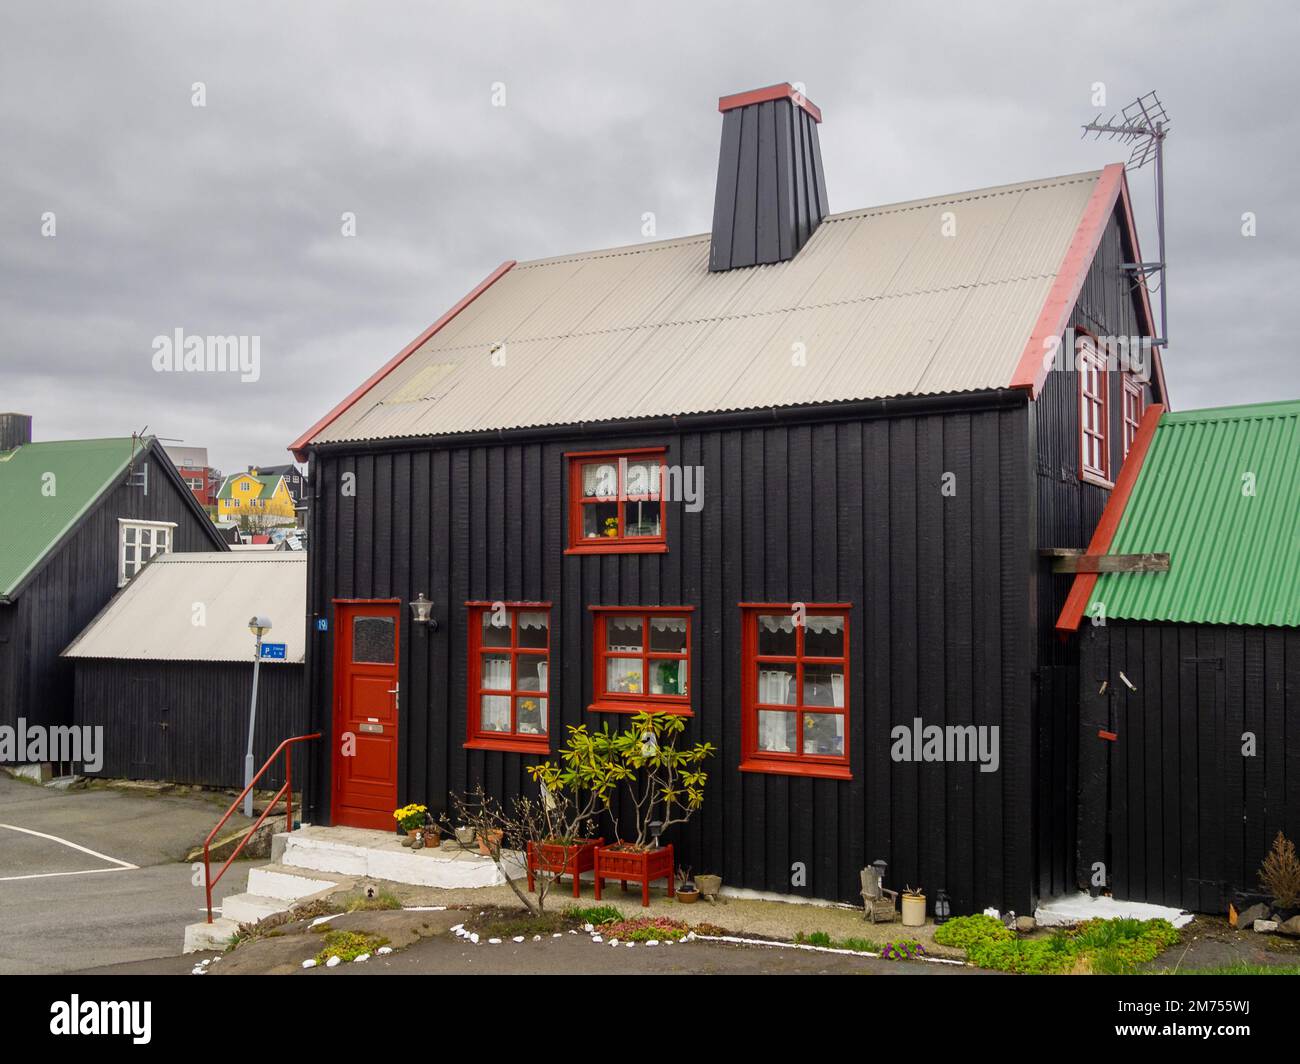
[(245, 494)]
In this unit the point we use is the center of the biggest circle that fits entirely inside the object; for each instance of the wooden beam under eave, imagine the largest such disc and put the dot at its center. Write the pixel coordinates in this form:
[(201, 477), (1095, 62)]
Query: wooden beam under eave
[(1111, 563)]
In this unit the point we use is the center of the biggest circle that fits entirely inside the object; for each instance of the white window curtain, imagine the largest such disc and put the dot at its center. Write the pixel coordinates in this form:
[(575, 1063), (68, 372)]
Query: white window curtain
[(534, 620), (783, 622)]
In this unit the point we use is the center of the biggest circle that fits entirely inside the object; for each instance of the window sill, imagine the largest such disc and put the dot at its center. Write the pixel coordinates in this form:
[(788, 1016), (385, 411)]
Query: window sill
[(512, 746), (1097, 480), (797, 768), (622, 546), (643, 707)]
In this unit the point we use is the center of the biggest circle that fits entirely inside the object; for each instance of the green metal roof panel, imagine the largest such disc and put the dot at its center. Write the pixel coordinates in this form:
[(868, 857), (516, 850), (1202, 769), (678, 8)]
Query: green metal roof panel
[(45, 488), (268, 482), (1220, 493)]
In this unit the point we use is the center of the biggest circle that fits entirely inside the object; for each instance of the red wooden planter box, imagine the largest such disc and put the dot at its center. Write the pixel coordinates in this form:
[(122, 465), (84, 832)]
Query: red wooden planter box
[(571, 860), (635, 866)]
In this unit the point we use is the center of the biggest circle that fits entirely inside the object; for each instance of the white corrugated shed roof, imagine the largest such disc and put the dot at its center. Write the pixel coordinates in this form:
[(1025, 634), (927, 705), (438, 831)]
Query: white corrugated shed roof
[(153, 617), (883, 301)]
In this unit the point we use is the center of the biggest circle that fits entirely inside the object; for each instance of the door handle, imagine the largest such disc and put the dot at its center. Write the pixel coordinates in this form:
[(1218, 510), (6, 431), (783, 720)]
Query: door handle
[(397, 698)]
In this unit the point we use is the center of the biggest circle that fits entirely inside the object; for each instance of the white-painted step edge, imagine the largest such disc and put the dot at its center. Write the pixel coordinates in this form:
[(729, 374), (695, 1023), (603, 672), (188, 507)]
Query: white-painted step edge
[(273, 883)]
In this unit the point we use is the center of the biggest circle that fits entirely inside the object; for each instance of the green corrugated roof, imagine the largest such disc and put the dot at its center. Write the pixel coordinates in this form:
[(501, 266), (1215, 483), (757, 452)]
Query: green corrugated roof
[(268, 484), (1234, 556), (36, 509)]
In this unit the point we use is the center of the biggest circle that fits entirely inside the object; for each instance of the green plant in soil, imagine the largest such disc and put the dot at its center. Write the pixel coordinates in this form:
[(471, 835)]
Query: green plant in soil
[(348, 945), (381, 901), (816, 938), (595, 914), (525, 924), (960, 932)]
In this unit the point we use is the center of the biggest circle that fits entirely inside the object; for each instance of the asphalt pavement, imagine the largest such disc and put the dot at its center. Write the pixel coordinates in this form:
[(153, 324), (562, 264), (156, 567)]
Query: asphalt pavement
[(94, 877)]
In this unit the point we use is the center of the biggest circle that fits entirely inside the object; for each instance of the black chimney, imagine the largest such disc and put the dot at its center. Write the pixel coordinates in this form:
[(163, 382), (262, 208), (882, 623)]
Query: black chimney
[(771, 193), (15, 429)]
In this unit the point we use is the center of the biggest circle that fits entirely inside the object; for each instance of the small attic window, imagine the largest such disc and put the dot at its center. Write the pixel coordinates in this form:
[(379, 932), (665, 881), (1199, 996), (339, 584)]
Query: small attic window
[(1094, 414), (137, 542)]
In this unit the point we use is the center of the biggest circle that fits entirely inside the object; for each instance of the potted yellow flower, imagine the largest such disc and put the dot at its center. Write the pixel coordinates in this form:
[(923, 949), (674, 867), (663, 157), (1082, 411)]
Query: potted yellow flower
[(411, 819)]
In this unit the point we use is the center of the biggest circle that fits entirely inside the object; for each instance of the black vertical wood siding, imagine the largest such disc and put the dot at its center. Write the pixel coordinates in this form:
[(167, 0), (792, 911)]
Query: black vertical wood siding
[(187, 721), (1068, 510), (74, 584), (1172, 808), (851, 511)]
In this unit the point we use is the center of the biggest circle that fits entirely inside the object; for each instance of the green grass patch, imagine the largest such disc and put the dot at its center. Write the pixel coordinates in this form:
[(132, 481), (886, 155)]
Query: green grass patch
[(815, 938), (359, 903), (348, 945)]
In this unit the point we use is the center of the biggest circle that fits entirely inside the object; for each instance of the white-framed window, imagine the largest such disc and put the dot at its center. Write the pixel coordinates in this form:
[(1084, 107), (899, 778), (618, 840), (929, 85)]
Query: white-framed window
[(137, 542)]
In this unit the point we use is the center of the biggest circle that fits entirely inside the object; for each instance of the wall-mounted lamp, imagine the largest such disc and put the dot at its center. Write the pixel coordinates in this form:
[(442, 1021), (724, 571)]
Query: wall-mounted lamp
[(422, 612)]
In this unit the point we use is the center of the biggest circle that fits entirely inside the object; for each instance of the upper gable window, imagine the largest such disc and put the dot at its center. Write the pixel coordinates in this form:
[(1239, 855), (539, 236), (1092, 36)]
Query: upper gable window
[(616, 502), (1134, 404), (1094, 413), (137, 542)]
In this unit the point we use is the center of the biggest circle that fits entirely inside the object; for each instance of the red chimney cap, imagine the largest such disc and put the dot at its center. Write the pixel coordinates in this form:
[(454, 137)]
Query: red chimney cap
[(783, 91)]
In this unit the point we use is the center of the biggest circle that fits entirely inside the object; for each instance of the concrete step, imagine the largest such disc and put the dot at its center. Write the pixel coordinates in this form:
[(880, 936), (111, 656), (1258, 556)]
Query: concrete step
[(251, 908), (204, 935), (292, 884), (380, 855)]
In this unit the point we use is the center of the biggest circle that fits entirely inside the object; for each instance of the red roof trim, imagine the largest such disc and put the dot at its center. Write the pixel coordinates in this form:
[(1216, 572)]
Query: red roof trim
[(1146, 295), (1032, 370), (783, 91), (298, 447), (1081, 589)]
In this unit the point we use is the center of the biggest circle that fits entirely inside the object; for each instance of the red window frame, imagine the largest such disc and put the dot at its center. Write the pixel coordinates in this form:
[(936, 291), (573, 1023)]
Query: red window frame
[(1094, 397), (605, 701), (513, 740), (795, 763), (1134, 406), (620, 543)]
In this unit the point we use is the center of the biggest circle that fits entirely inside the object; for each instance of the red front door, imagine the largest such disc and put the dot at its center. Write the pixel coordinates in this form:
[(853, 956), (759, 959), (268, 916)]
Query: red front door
[(365, 714)]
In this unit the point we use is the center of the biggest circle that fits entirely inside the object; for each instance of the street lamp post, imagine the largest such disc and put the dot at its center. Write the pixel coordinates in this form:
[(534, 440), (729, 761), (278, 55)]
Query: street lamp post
[(259, 626)]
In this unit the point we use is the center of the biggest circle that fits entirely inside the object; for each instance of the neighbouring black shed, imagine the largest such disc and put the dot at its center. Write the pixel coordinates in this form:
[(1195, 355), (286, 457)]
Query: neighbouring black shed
[(874, 434), (78, 519), (1189, 729), (167, 668)]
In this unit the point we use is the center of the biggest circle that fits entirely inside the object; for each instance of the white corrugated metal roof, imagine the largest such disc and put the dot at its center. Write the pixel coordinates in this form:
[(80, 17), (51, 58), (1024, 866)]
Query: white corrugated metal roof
[(153, 617), (883, 301)]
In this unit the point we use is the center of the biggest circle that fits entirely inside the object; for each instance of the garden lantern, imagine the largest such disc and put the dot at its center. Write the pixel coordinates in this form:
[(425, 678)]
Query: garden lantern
[(942, 907)]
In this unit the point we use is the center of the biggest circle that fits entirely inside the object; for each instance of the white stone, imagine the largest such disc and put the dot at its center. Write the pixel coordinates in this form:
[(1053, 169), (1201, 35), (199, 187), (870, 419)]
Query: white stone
[(538, 938), (630, 945), (361, 958), (596, 938), (517, 938), (384, 951), (473, 937), (458, 928), (557, 935), (494, 942), (589, 927), (612, 941), (653, 942), (334, 962), (1265, 926), (310, 962)]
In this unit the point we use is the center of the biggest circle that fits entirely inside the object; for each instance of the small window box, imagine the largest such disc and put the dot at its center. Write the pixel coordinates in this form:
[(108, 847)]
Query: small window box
[(634, 866)]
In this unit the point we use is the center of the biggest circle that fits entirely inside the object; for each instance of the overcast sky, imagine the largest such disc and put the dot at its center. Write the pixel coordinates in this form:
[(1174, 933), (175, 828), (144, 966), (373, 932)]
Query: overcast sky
[(226, 219)]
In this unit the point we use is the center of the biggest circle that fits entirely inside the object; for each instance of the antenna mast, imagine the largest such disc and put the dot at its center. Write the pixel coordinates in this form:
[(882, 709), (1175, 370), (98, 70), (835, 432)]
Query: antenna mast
[(1144, 123)]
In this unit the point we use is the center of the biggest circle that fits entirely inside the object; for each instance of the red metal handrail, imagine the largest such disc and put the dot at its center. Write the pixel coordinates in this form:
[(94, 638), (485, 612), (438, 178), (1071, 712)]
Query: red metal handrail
[(208, 881)]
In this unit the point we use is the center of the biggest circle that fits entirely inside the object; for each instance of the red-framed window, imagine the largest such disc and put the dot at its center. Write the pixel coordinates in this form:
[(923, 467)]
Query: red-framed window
[(1094, 413), (1134, 404), (643, 659), (616, 501), (795, 685), (509, 662)]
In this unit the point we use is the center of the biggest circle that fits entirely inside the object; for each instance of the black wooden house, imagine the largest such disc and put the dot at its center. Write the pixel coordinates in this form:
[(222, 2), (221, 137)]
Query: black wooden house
[(78, 519), (867, 432)]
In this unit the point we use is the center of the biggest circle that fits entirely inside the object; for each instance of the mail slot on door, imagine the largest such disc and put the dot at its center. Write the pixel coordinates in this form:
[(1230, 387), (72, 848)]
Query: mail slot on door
[(373, 729)]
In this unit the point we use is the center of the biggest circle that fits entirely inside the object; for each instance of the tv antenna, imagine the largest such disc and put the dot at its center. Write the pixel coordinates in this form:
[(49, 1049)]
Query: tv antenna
[(1144, 123)]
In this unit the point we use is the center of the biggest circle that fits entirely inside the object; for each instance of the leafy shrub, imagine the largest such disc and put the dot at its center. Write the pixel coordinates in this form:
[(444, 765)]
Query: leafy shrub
[(1280, 873), (963, 931), (1044, 956)]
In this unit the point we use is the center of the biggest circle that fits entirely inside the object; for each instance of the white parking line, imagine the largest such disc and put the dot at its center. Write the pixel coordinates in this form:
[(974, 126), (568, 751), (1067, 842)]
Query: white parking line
[(122, 866)]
